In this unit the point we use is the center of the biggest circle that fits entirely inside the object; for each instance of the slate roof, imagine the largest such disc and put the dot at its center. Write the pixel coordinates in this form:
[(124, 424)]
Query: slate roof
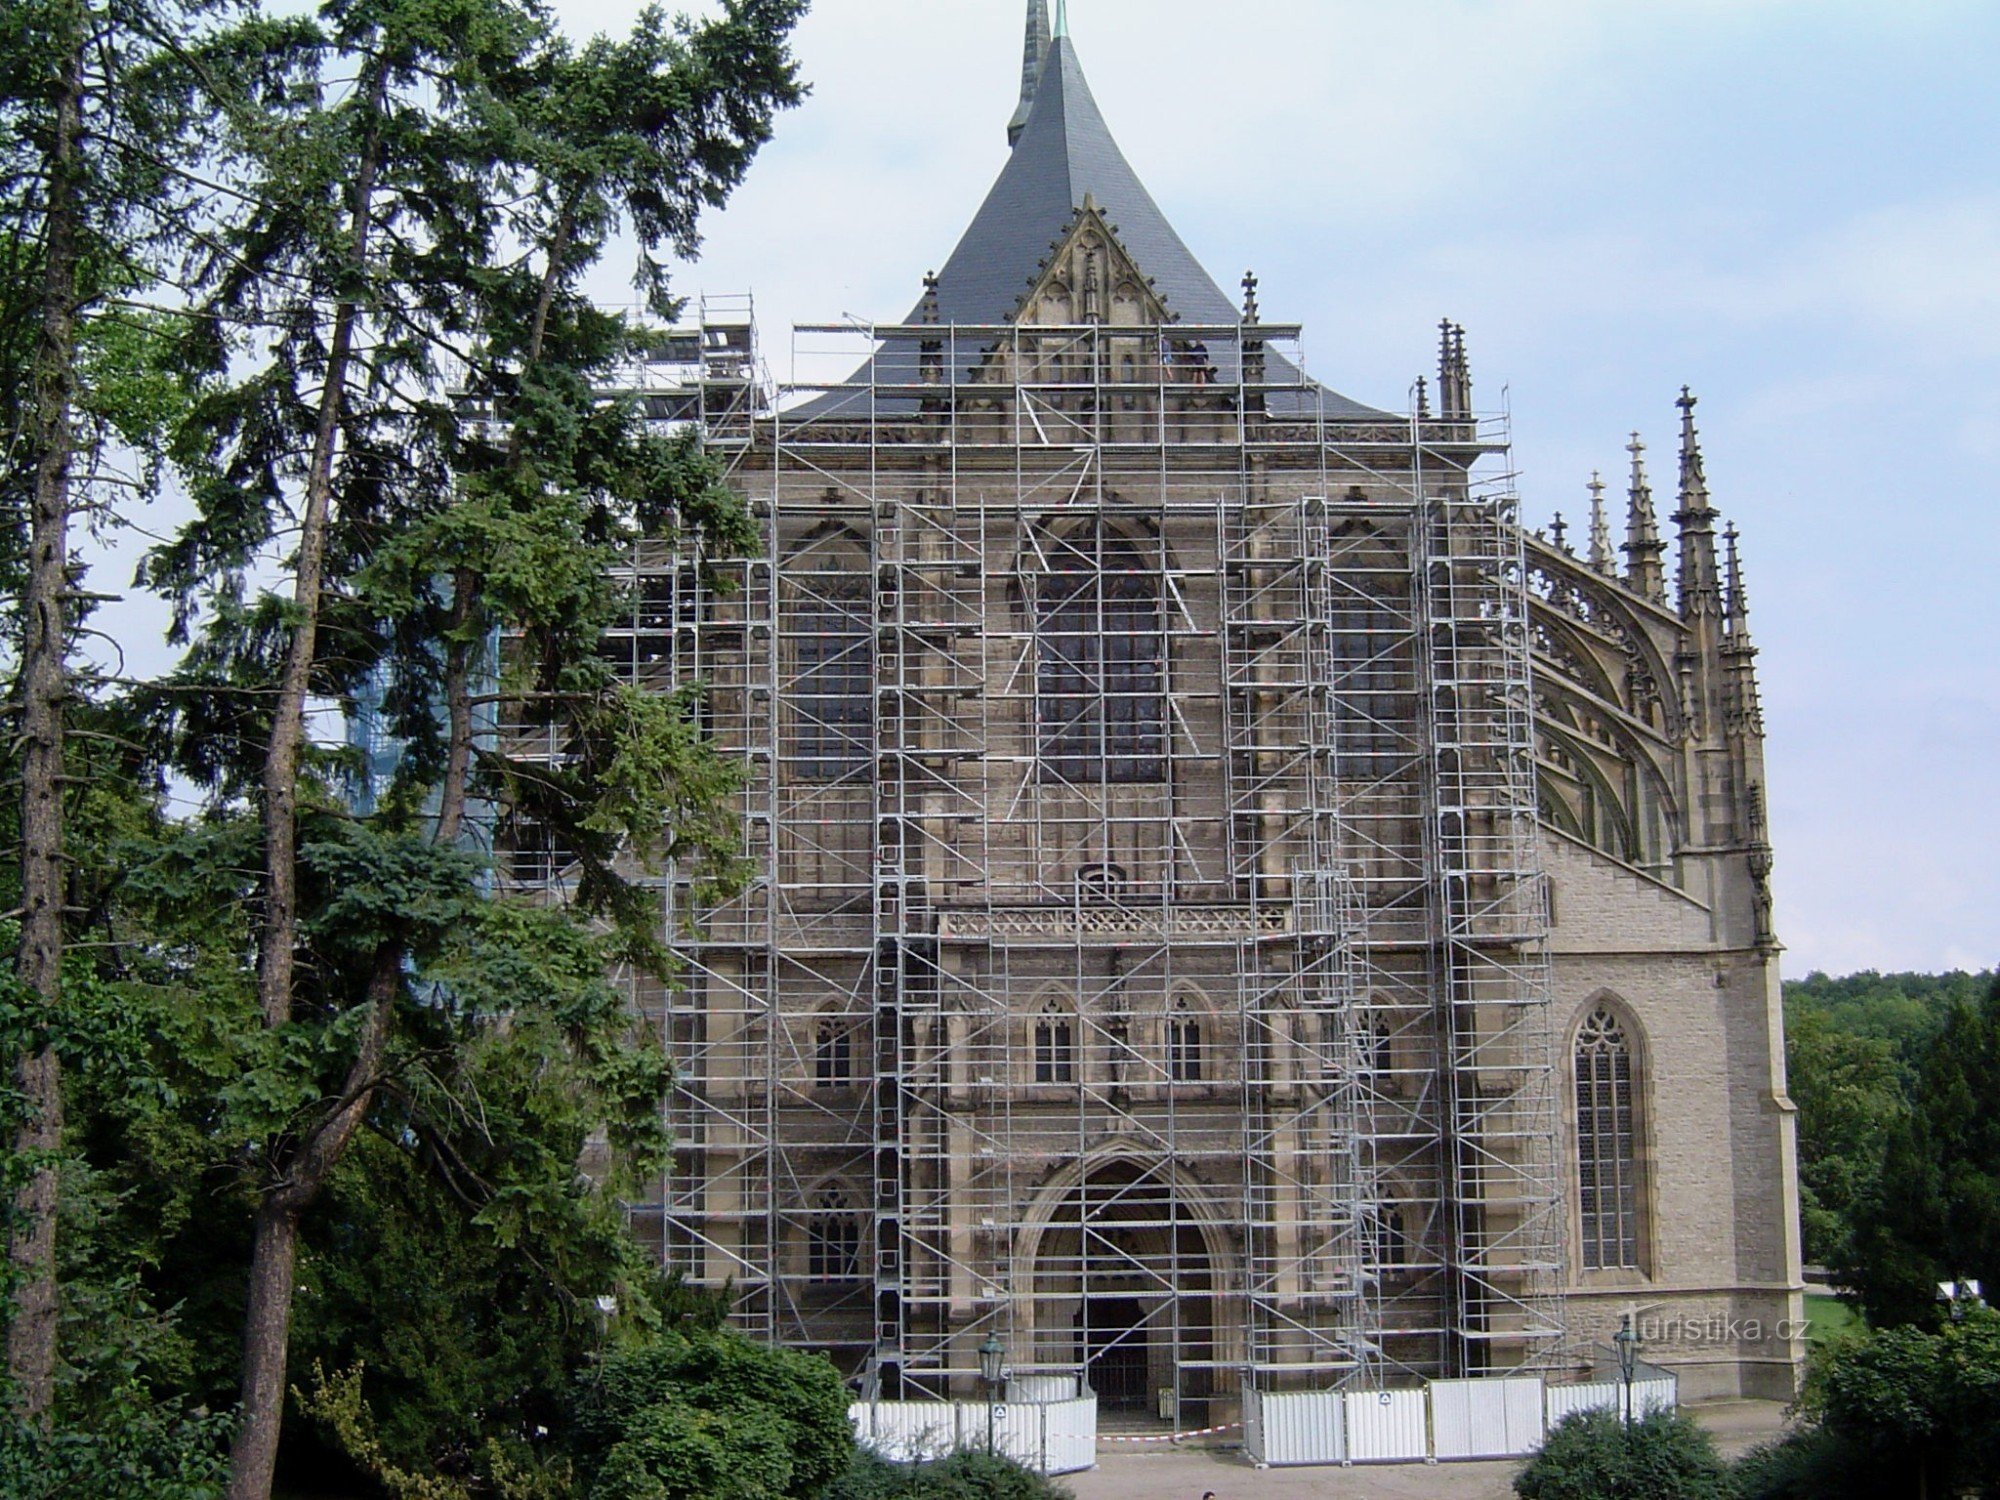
[(1064, 154)]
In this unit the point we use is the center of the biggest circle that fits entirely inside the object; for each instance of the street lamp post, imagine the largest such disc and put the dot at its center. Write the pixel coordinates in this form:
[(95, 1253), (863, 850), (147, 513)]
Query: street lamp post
[(992, 1364), (1627, 1342)]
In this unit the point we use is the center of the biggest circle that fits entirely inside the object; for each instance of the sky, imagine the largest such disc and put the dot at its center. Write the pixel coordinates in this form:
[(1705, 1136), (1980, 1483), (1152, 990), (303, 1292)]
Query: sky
[(1792, 206)]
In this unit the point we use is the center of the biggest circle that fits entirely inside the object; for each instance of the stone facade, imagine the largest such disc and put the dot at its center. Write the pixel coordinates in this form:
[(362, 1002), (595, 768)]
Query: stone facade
[(1235, 908)]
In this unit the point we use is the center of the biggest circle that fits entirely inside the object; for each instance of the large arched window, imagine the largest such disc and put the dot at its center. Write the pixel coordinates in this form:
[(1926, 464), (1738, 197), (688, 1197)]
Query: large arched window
[(1055, 1045), (830, 641), (1606, 1145), (1100, 683), (833, 1238)]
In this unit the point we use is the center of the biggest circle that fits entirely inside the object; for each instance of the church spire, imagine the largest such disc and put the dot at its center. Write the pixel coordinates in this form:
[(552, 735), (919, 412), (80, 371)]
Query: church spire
[(1600, 530), (1643, 546), (1699, 594), (1034, 52), (1738, 637)]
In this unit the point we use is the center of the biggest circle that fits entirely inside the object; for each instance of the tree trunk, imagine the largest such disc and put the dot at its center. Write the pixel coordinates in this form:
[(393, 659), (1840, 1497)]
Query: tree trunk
[(31, 1337), (267, 1318), (267, 1326)]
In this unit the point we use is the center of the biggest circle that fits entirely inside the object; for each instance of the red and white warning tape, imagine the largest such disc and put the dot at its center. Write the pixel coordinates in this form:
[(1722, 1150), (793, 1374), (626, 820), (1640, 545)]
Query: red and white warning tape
[(1168, 1437)]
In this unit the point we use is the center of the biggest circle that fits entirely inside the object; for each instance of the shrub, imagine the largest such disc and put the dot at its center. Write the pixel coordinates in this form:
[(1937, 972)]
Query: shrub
[(712, 1416), (1813, 1464), (1592, 1455), (963, 1476)]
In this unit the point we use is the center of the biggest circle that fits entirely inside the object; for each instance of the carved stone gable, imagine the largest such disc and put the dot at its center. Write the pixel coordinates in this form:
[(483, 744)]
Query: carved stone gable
[(1089, 277)]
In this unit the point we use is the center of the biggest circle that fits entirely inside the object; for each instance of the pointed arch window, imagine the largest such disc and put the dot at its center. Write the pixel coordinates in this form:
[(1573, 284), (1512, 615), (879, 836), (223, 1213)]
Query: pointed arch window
[(831, 637), (1607, 1145), (1055, 1045), (1184, 1049), (833, 1238), (1100, 683), (833, 1054)]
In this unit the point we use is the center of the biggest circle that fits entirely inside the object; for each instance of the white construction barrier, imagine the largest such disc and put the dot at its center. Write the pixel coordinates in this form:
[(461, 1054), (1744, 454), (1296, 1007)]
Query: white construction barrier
[(1303, 1427), (1387, 1427), (1051, 1437), (1657, 1392), (1494, 1418), (1504, 1416)]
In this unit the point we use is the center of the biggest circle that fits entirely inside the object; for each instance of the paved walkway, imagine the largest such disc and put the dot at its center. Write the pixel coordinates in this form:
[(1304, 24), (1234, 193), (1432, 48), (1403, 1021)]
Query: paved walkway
[(1185, 1474)]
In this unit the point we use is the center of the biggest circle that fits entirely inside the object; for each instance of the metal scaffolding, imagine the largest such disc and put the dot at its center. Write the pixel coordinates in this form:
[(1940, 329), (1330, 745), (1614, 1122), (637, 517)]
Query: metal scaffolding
[(1147, 960)]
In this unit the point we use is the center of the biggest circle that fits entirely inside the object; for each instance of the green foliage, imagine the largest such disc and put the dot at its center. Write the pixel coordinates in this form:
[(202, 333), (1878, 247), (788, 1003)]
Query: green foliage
[(1849, 1090), (1811, 1463), (962, 1476), (1933, 1214), (1912, 1397), (1905, 1412), (451, 1261), (712, 1416), (1854, 1050), (140, 1448), (1592, 1455), (1904, 1010)]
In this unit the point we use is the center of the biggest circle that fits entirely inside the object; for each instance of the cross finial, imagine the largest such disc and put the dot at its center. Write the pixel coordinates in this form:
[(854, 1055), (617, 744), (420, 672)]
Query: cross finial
[(1559, 532), (1600, 529), (1249, 296)]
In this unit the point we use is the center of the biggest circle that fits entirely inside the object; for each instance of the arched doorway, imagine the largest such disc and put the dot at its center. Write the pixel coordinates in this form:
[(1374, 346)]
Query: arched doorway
[(1126, 1288)]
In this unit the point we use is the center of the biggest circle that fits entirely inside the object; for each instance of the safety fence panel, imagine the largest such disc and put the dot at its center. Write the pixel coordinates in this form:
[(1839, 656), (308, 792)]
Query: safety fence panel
[(1566, 1400), (1053, 1437), (1387, 1427), (1041, 1388), (1304, 1427), (1658, 1392), (1486, 1418)]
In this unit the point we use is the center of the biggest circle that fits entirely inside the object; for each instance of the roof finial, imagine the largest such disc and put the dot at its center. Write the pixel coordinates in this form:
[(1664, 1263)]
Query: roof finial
[(1250, 296), (928, 308), (1600, 530), (1739, 601), (1642, 532), (1454, 374), (1696, 520), (1062, 17), (1034, 52), (1559, 532)]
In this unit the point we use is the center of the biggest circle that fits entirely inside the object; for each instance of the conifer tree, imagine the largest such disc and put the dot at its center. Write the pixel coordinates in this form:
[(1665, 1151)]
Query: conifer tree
[(442, 175)]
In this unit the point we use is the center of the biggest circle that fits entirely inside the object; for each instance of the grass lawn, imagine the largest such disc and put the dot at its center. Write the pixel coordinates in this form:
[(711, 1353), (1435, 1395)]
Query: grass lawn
[(1828, 1317)]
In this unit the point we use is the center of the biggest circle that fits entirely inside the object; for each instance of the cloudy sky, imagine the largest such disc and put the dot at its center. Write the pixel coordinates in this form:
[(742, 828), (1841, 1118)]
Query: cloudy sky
[(1792, 207)]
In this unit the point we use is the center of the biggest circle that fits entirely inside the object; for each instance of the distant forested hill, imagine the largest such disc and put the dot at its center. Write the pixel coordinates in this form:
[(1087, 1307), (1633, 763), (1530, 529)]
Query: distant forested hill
[(1904, 1010)]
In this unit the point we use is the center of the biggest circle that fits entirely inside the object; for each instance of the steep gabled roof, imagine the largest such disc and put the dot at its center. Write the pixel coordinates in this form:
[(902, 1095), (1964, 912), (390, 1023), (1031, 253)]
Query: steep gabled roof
[(1066, 153), (1063, 155)]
